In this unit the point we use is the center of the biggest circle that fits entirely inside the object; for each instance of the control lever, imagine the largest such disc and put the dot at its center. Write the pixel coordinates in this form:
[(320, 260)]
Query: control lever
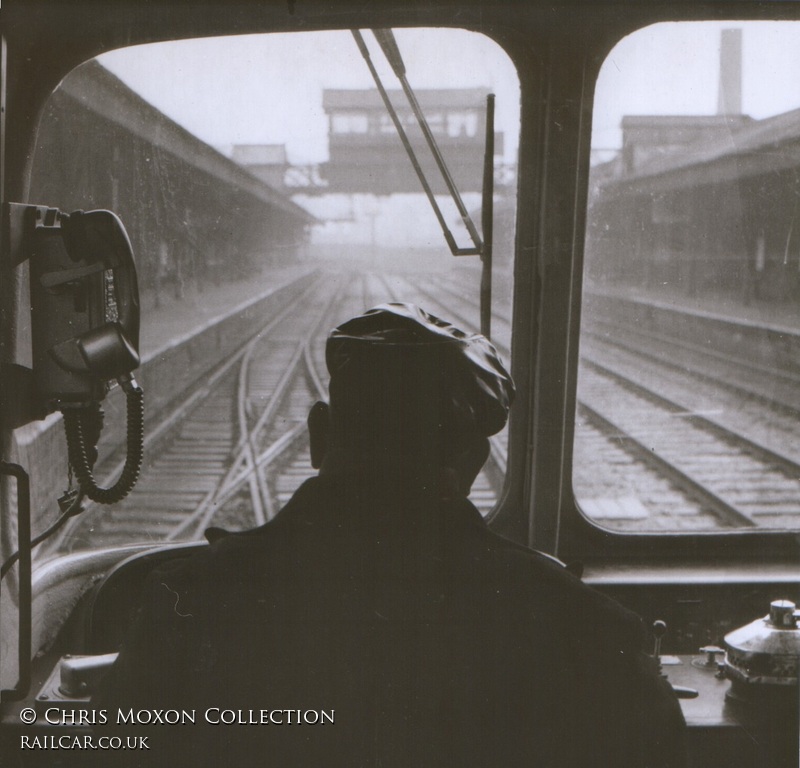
[(710, 663), (659, 630)]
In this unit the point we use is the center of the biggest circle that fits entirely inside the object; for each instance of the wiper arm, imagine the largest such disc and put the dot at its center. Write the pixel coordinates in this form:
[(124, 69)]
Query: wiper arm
[(387, 42), (482, 248), (401, 132)]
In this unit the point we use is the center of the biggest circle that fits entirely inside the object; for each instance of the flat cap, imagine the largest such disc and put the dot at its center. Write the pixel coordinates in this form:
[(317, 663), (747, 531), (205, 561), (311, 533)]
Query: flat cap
[(476, 386)]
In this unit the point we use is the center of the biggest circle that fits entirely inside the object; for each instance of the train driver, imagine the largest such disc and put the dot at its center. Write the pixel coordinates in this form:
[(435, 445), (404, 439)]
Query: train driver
[(377, 614)]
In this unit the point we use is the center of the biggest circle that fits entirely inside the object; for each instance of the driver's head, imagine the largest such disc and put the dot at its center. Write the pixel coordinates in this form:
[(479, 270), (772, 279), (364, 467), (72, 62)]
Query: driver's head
[(408, 389)]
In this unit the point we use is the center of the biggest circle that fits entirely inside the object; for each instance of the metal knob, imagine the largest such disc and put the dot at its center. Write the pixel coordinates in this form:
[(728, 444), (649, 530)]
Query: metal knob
[(782, 614), (659, 630), (710, 661)]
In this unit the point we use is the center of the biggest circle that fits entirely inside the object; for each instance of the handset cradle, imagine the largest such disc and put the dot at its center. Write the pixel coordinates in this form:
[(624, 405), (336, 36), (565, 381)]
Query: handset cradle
[(85, 331)]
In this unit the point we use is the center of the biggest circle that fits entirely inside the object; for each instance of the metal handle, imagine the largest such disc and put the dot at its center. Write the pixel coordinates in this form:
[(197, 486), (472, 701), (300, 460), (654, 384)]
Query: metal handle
[(20, 691)]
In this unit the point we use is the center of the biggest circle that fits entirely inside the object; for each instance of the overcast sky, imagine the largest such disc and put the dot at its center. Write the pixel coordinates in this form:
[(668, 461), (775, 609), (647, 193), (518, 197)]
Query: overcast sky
[(268, 88), (673, 69)]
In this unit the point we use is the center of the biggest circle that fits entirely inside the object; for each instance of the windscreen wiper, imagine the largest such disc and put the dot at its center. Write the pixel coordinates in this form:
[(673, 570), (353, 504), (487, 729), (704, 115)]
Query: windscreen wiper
[(480, 247)]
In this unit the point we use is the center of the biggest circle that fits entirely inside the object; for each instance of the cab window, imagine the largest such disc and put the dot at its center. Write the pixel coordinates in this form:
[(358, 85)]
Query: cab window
[(687, 406), (265, 203)]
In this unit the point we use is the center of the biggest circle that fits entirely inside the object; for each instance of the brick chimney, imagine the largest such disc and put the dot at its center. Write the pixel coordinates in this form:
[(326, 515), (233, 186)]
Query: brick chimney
[(729, 100)]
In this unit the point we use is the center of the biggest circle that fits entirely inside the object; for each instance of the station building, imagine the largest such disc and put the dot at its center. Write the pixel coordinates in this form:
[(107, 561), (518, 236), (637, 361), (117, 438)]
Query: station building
[(701, 205)]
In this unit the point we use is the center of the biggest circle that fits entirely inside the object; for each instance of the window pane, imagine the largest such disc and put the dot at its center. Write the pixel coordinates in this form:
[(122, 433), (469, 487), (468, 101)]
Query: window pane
[(350, 123), (268, 199), (688, 396)]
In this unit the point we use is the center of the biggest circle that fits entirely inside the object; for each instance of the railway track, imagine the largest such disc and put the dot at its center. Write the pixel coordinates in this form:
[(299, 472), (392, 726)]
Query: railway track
[(276, 379), (739, 373), (714, 474), (190, 476), (645, 462), (756, 418), (239, 450), (739, 469)]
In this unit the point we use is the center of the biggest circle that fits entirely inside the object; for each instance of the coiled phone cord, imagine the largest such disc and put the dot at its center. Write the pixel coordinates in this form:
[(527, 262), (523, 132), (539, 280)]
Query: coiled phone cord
[(75, 426)]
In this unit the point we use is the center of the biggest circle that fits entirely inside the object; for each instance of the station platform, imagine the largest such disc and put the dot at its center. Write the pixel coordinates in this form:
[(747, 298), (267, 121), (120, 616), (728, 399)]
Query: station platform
[(777, 315), (174, 319)]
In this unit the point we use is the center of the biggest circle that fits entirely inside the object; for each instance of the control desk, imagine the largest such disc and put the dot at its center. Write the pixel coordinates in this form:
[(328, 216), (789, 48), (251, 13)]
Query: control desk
[(727, 732), (721, 731)]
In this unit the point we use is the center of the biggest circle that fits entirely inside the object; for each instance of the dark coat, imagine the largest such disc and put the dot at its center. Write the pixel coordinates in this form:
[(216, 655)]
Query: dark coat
[(435, 642)]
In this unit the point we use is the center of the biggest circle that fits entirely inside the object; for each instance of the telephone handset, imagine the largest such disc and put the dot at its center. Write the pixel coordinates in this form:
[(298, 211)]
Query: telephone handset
[(85, 331)]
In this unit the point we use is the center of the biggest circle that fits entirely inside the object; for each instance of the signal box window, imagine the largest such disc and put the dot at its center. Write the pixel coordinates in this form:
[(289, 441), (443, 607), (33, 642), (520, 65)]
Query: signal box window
[(462, 124), (350, 123), (688, 412)]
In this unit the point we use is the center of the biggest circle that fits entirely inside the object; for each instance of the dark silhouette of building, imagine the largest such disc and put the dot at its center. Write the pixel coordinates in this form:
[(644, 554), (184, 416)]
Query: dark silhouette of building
[(366, 154), (647, 138)]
